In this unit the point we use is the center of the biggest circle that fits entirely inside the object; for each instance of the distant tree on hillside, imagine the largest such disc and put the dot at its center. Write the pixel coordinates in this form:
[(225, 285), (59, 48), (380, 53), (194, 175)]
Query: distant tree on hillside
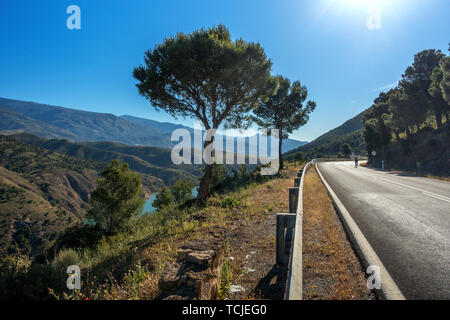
[(377, 125), (346, 150), (164, 198), (283, 108), (300, 157), (205, 75), (117, 198)]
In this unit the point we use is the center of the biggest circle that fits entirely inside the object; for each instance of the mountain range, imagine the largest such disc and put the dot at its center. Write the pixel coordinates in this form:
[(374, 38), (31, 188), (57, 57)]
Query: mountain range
[(49, 121)]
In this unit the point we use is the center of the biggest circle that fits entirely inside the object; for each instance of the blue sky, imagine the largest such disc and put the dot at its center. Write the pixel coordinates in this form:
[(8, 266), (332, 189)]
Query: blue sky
[(326, 44)]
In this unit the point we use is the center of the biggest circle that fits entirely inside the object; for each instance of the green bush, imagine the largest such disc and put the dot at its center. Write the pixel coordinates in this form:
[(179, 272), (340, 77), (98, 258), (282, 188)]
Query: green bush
[(65, 258), (230, 202)]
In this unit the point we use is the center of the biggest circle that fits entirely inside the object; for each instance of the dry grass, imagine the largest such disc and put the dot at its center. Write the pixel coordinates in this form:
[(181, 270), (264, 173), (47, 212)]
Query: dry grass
[(331, 269)]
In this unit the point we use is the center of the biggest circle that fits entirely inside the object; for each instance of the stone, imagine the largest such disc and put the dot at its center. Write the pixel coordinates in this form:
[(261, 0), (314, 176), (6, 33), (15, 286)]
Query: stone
[(170, 278)]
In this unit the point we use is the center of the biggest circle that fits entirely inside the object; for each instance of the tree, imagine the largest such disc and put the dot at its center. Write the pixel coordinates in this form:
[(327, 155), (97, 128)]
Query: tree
[(283, 108), (164, 198), (398, 107), (117, 198), (182, 191), (377, 133), (346, 150), (205, 75), (445, 83), (415, 83), (300, 157), (438, 104)]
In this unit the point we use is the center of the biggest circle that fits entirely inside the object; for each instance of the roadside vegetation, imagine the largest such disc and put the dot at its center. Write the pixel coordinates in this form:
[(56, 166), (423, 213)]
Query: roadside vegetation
[(331, 270), (126, 264), (408, 126)]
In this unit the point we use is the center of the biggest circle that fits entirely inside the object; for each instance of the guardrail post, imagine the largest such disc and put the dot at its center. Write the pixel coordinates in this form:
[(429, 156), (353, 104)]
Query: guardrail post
[(293, 199), (280, 238), (284, 233)]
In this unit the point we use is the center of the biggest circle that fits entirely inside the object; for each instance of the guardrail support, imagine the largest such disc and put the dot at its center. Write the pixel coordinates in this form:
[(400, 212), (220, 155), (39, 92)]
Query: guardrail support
[(285, 225), (293, 199)]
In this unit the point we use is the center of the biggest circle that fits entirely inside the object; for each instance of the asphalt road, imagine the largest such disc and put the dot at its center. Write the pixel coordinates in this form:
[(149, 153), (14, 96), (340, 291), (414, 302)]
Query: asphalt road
[(406, 220)]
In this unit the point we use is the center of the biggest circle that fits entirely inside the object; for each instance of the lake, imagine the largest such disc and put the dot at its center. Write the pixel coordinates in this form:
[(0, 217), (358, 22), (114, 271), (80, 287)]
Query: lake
[(148, 207)]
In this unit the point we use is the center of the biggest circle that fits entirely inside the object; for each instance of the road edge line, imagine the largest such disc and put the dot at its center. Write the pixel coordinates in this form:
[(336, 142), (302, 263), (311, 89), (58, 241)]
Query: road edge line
[(389, 289)]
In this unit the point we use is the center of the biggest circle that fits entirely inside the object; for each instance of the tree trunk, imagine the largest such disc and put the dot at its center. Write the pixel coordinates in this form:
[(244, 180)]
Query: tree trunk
[(203, 190), (397, 135), (280, 156), (408, 133), (438, 119)]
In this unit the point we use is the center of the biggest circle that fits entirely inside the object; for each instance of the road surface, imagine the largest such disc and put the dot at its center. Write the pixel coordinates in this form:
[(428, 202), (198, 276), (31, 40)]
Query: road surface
[(406, 220)]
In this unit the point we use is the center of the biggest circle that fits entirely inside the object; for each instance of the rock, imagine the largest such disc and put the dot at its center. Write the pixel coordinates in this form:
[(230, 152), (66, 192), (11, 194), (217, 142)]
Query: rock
[(170, 277), (236, 288), (196, 273)]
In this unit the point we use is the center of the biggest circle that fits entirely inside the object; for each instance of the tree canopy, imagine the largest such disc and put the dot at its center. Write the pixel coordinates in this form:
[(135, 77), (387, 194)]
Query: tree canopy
[(117, 198)]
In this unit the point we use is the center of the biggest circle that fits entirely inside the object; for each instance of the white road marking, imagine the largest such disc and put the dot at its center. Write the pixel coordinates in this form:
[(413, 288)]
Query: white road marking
[(427, 193)]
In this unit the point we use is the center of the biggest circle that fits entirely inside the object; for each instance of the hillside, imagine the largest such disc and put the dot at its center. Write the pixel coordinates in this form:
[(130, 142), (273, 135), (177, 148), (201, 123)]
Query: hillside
[(41, 193), (45, 191), (329, 144), (152, 161), (82, 126)]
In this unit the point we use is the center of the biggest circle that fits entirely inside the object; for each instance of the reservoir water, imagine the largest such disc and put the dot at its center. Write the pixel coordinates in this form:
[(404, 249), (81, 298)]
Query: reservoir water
[(148, 207)]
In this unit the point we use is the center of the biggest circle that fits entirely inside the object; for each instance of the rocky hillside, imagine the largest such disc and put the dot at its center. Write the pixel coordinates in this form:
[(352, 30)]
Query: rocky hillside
[(41, 193), (152, 161)]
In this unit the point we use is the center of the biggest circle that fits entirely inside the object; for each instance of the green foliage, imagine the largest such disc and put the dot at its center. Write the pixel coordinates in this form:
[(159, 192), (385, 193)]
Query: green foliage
[(445, 83), (65, 258), (164, 198), (21, 279), (77, 236), (407, 107), (118, 197), (230, 202), (182, 191), (300, 157), (346, 150), (282, 108), (225, 275)]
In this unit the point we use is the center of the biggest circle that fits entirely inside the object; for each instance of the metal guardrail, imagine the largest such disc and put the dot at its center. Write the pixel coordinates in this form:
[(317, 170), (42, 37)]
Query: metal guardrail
[(289, 237), (289, 233)]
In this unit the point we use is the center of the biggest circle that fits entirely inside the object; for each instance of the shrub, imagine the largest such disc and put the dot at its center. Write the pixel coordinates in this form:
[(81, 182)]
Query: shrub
[(65, 258), (164, 198), (229, 202), (182, 191)]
